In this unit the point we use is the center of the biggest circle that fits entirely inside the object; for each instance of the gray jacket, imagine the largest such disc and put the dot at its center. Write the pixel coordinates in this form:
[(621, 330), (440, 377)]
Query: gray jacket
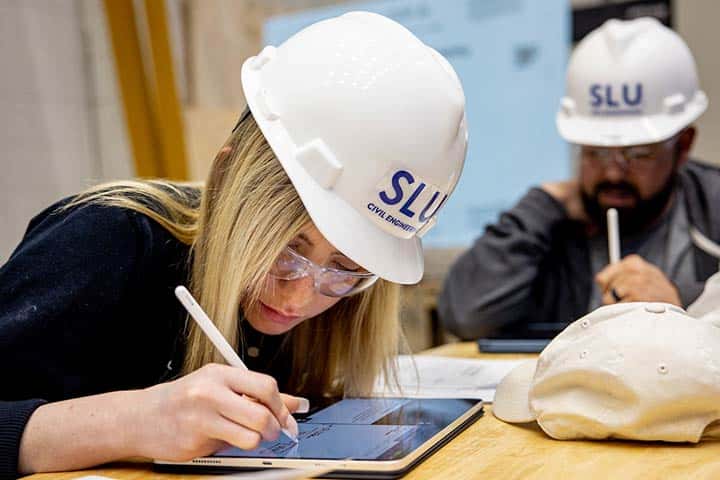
[(529, 275)]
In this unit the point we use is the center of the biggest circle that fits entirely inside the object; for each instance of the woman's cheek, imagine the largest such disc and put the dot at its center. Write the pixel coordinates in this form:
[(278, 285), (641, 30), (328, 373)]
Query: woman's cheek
[(322, 304)]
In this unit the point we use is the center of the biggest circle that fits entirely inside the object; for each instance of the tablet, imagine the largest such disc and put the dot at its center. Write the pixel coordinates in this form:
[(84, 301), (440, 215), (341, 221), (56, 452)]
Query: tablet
[(356, 437), (512, 345)]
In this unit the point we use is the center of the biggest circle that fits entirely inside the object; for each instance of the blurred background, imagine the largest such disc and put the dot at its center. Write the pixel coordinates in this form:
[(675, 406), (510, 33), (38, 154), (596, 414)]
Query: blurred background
[(98, 90)]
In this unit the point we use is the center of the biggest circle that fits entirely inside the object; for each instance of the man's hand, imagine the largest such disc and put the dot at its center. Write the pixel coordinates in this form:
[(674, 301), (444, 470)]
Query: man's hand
[(635, 280), (568, 193)]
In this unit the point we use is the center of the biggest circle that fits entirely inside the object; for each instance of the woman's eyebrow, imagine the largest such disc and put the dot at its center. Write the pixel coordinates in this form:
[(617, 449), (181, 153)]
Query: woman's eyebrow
[(305, 239)]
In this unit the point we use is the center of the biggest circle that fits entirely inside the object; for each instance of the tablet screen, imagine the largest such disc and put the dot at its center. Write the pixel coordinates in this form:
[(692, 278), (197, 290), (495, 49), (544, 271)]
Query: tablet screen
[(363, 429)]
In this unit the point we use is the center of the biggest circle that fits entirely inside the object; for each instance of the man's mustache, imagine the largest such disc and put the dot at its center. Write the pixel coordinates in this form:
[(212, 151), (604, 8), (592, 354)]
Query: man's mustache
[(620, 187)]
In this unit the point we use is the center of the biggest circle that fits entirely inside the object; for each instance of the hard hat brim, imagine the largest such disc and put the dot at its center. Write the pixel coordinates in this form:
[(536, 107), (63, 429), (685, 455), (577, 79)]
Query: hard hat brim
[(391, 258), (512, 395), (622, 131)]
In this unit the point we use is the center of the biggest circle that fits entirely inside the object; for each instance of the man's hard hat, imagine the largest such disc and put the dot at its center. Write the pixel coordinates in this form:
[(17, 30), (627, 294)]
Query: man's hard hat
[(369, 124), (639, 371), (630, 83)]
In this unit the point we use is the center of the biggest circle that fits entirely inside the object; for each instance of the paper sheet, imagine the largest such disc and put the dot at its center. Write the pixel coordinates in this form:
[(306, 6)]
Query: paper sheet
[(446, 377)]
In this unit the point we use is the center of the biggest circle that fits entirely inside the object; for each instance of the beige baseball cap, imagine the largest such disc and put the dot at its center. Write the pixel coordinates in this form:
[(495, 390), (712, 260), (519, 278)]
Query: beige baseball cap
[(708, 303), (640, 371)]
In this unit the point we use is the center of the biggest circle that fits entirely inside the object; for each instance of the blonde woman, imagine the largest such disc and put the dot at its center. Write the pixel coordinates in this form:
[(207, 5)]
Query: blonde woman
[(354, 137)]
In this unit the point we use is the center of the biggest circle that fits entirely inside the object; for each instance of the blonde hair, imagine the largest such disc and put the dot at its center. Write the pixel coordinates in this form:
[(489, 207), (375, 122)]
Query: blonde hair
[(248, 212)]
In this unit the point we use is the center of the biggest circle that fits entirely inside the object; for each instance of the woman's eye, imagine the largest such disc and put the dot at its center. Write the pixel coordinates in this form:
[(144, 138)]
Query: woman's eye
[(297, 247), (346, 267)]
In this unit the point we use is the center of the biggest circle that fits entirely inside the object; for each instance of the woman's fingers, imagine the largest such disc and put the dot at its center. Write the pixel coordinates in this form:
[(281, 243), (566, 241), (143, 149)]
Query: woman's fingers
[(214, 406), (248, 413), (233, 434), (292, 426), (295, 404), (264, 389)]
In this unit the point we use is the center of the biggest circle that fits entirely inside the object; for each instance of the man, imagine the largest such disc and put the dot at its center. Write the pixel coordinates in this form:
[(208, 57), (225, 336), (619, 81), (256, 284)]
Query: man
[(632, 95)]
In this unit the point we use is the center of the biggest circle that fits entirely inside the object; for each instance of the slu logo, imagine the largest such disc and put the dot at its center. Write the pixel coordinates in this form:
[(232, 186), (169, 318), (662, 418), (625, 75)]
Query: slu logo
[(419, 197), (627, 98), (406, 201)]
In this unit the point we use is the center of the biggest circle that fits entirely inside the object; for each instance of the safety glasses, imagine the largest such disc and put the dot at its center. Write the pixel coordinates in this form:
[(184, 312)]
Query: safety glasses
[(636, 158), (331, 282)]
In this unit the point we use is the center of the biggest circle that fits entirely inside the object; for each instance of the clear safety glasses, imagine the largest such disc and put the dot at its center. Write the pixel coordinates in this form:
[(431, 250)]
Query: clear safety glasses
[(328, 281), (636, 158)]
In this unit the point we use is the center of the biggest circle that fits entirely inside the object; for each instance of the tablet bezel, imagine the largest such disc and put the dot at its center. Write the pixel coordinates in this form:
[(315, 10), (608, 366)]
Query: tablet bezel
[(341, 468)]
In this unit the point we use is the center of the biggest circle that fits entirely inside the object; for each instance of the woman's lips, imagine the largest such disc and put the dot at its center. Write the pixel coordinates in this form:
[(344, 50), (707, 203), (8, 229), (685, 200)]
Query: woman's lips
[(276, 316)]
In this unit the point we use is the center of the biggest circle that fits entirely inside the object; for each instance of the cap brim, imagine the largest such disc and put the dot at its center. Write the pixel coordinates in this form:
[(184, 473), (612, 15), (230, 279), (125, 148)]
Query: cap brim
[(511, 402), (391, 258), (620, 131)]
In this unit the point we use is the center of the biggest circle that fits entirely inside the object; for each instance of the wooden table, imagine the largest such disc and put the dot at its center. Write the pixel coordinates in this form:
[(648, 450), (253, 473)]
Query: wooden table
[(491, 449)]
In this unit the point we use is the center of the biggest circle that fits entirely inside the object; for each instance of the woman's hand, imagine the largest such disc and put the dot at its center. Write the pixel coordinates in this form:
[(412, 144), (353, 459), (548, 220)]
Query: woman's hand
[(209, 409), (193, 416)]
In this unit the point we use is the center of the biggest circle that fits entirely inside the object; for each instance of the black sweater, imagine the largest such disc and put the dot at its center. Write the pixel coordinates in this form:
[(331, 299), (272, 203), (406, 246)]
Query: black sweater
[(87, 306)]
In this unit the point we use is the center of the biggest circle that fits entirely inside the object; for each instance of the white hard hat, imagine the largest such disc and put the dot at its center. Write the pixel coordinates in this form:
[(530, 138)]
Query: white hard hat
[(630, 83), (640, 371), (369, 124)]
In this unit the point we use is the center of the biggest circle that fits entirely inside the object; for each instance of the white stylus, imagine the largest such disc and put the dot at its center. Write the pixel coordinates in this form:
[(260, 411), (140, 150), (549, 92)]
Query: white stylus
[(613, 236), (217, 339)]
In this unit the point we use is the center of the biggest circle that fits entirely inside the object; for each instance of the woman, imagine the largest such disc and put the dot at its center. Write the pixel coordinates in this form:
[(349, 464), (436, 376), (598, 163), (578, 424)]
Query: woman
[(354, 137)]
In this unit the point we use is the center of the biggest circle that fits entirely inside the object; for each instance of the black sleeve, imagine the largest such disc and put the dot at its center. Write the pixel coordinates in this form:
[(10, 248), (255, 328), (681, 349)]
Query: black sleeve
[(490, 285), (69, 269), (13, 418)]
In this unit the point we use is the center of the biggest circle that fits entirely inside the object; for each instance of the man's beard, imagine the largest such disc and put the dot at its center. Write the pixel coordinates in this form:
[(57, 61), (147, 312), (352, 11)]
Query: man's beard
[(630, 219)]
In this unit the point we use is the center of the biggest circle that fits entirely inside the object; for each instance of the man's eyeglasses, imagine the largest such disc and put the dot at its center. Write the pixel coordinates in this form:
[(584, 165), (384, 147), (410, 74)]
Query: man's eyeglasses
[(331, 282), (637, 158)]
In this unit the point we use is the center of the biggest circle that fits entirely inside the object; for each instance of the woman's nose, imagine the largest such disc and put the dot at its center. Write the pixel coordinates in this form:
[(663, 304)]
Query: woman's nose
[(296, 294)]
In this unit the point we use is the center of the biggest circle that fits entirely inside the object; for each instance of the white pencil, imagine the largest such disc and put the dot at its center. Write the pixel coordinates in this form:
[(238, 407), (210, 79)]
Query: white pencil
[(217, 339), (613, 235)]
